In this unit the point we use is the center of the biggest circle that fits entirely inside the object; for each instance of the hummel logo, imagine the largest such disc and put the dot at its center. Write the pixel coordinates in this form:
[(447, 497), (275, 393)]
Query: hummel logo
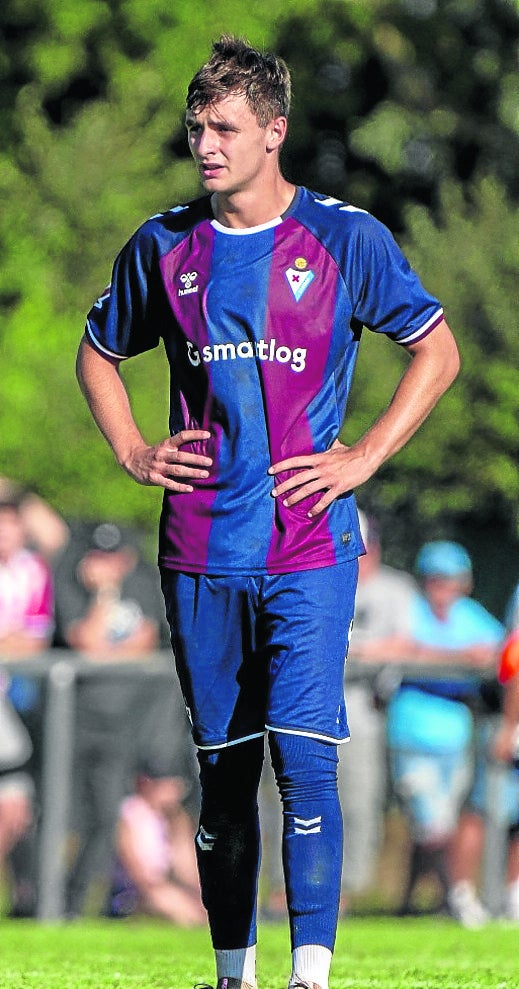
[(101, 299), (187, 279), (312, 826), (205, 841), (299, 281)]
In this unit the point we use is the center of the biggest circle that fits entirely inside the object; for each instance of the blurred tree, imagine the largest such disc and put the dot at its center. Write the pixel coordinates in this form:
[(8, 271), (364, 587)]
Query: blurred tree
[(409, 109), (392, 98), (462, 464)]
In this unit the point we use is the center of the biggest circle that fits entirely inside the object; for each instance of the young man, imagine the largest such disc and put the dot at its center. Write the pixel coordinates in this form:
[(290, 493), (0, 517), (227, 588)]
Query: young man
[(259, 290)]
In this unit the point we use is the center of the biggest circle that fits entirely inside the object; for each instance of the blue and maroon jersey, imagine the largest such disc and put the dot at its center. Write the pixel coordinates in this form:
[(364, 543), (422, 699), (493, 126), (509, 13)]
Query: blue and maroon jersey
[(261, 327)]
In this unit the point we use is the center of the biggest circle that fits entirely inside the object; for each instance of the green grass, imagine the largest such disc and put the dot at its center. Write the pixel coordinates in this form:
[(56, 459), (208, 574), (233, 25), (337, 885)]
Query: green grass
[(370, 954)]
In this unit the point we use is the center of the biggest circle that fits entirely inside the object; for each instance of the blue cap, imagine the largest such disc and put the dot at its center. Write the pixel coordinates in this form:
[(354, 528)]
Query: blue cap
[(442, 559)]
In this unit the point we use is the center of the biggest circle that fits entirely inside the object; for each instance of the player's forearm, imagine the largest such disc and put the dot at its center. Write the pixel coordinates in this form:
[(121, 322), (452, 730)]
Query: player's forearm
[(433, 368), (108, 402), (476, 657)]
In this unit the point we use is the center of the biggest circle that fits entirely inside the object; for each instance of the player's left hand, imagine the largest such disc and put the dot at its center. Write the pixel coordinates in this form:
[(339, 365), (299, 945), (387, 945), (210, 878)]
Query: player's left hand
[(336, 471)]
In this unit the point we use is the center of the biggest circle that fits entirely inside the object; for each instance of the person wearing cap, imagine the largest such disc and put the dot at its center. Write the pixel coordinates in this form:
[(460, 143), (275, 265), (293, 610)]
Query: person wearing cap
[(155, 870), (429, 725), (109, 609), (496, 743), (112, 605), (381, 632)]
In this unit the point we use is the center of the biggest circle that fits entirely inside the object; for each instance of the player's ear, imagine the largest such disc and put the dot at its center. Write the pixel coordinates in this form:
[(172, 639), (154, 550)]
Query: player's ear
[(276, 133)]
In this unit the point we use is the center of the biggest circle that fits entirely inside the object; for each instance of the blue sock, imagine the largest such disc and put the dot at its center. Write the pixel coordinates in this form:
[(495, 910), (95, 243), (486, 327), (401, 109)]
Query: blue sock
[(306, 774), (228, 841)]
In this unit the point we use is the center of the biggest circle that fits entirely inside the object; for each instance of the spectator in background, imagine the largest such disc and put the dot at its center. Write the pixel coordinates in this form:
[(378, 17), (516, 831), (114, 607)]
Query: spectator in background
[(429, 725), (26, 594), (16, 801), (499, 743), (45, 531), (507, 739), (26, 623), (156, 871), (109, 608), (381, 632), (506, 749)]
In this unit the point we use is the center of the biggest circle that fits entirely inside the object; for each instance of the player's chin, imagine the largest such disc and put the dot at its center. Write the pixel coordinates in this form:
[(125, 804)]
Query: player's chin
[(210, 180)]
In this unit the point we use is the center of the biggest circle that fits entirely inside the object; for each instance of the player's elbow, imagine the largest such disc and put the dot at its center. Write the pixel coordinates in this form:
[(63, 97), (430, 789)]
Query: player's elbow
[(453, 363), (448, 352)]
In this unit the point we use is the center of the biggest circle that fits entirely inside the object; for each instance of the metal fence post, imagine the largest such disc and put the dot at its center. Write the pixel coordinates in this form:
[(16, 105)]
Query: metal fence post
[(56, 788), (496, 838)]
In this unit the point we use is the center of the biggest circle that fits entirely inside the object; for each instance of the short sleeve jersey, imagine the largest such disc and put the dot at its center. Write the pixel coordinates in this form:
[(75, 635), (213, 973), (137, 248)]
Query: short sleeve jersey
[(261, 327)]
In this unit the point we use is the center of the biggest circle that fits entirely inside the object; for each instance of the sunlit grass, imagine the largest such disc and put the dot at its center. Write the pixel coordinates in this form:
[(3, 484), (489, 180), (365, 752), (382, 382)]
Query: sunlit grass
[(370, 954)]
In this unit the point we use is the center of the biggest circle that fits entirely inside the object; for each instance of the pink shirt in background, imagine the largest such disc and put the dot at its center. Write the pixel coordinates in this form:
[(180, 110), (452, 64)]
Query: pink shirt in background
[(153, 844), (26, 595)]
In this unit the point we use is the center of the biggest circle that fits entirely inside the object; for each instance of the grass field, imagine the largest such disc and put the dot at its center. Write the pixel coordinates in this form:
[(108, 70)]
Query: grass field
[(371, 954)]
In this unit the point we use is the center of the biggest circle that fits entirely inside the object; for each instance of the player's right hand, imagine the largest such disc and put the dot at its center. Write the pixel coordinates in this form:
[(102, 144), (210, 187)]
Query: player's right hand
[(167, 465)]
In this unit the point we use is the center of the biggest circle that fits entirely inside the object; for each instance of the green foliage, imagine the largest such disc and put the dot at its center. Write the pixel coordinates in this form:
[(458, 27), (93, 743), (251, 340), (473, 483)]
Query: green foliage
[(405, 108), (472, 260), (464, 459), (397, 97)]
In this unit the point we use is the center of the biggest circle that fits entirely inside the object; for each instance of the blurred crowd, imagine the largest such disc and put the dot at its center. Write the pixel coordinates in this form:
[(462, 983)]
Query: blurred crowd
[(432, 712)]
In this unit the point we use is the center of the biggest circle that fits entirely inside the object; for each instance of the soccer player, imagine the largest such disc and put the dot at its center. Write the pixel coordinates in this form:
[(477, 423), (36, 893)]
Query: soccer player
[(259, 291)]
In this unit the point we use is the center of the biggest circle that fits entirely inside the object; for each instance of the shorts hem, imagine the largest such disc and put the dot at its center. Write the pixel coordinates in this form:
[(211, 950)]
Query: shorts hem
[(309, 734), (226, 745)]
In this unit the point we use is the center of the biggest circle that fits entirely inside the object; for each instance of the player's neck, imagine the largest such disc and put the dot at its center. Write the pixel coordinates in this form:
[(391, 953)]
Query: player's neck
[(247, 208)]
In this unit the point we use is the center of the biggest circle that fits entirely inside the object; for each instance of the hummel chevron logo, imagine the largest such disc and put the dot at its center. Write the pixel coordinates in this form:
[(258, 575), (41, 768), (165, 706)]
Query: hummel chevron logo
[(312, 826), (205, 841)]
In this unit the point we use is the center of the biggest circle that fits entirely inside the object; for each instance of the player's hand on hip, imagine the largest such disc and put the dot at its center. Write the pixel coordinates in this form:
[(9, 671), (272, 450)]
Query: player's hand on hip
[(334, 472), (168, 465)]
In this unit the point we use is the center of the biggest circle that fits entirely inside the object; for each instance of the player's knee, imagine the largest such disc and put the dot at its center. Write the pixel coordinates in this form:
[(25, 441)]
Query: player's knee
[(305, 768), (229, 780)]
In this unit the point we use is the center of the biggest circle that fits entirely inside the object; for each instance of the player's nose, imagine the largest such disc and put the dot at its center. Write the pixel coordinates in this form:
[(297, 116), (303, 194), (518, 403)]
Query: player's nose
[(205, 143)]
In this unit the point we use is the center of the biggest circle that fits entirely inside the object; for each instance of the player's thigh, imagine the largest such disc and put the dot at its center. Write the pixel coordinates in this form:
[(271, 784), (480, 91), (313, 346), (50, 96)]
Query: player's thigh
[(306, 621), (213, 635)]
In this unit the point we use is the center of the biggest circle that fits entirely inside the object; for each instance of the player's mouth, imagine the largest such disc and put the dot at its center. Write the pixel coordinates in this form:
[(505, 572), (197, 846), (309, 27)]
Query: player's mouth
[(209, 171)]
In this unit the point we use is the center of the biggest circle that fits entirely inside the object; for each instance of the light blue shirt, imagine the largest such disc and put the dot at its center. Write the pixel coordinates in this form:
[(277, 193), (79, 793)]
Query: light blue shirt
[(422, 718), (468, 624)]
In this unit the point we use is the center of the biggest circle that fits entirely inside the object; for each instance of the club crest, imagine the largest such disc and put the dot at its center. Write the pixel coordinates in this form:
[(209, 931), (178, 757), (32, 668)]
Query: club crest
[(299, 281)]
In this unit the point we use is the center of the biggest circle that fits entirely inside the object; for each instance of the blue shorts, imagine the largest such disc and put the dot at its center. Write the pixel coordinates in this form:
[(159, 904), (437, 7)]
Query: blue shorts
[(262, 653)]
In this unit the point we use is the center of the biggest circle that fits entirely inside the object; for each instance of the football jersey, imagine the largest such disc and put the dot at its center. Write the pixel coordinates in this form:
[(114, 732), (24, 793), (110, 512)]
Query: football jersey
[(261, 327)]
